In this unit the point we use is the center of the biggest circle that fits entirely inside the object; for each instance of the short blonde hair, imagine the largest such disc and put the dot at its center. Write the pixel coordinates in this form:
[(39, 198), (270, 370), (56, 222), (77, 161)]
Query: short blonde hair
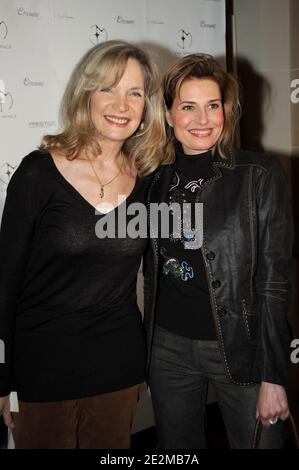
[(104, 65), (203, 66)]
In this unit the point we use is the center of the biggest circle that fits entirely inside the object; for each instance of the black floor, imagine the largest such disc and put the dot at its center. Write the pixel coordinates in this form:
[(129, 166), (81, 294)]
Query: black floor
[(3, 434), (147, 439), (216, 435)]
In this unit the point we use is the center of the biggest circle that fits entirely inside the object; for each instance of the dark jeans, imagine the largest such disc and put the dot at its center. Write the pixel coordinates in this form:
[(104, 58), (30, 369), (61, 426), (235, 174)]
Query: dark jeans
[(99, 422), (179, 374)]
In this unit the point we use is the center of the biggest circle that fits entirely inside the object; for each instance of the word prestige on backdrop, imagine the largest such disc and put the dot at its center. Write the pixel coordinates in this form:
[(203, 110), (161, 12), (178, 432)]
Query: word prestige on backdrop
[(164, 218)]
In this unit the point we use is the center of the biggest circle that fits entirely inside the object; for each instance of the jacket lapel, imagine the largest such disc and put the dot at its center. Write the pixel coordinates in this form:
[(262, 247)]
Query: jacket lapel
[(160, 186), (162, 180)]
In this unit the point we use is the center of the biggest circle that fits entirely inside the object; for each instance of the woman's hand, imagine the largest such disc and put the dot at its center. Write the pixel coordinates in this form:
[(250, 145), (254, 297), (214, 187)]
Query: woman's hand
[(5, 411), (272, 403)]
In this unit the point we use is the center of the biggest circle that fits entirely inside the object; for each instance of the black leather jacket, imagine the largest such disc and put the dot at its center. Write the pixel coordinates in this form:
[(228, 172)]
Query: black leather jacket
[(247, 245)]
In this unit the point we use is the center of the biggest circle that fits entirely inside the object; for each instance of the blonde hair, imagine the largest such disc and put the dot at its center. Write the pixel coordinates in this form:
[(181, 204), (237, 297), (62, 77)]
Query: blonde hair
[(104, 65), (203, 66)]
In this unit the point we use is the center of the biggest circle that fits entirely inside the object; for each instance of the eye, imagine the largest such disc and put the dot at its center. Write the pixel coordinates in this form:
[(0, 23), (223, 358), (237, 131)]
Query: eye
[(187, 107), (137, 93), (105, 90), (214, 106)]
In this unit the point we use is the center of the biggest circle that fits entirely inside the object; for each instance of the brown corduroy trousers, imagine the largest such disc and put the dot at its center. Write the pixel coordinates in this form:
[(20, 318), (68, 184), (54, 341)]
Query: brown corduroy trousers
[(98, 422)]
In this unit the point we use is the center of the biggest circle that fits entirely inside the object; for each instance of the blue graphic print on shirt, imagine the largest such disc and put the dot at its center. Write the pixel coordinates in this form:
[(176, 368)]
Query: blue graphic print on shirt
[(172, 266)]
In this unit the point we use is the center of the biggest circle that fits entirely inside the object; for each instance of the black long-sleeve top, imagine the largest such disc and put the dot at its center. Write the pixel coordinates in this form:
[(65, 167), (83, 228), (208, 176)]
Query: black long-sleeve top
[(68, 313)]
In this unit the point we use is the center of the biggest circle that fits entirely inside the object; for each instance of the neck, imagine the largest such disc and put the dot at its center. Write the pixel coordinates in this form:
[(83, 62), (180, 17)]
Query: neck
[(111, 153)]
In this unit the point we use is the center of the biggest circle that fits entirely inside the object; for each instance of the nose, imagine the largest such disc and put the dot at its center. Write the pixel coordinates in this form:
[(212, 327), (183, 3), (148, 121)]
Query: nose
[(122, 104), (202, 116)]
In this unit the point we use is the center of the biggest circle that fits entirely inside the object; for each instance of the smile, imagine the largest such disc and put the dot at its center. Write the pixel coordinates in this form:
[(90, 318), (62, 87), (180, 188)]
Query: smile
[(200, 132), (117, 121)]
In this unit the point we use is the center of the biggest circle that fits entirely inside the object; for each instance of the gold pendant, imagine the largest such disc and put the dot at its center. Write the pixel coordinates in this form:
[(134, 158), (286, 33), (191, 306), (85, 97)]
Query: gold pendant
[(102, 193)]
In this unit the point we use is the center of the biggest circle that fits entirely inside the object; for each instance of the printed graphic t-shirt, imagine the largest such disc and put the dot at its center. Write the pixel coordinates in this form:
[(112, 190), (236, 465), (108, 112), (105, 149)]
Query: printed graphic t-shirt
[(184, 303)]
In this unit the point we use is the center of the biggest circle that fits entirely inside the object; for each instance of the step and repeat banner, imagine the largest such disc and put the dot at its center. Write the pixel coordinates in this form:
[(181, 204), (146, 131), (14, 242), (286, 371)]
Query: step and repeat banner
[(41, 41)]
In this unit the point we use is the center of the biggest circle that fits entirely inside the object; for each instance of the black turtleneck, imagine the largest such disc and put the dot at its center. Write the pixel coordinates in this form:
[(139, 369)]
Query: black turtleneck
[(193, 165), (184, 303)]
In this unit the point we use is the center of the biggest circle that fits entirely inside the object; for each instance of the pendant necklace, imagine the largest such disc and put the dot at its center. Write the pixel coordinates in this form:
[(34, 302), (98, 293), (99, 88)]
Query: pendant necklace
[(102, 185)]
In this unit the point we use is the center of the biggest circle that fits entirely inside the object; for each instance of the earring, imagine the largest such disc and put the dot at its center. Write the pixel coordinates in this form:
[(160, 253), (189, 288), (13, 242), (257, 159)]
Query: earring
[(141, 127)]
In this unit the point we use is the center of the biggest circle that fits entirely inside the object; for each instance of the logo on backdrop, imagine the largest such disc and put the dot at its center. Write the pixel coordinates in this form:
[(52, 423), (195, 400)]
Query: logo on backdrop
[(3, 30), (204, 24), (155, 21), (63, 16), (41, 124), (3, 35), (28, 82), (23, 12), (6, 172), (184, 39), (6, 100), (122, 20), (99, 35)]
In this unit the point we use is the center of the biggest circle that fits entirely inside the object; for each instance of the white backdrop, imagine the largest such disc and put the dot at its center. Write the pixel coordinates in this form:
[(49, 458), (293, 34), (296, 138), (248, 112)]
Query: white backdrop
[(41, 40)]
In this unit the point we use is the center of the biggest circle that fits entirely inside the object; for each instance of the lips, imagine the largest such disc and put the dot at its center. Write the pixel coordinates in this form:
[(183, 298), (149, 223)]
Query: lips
[(117, 121), (201, 132)]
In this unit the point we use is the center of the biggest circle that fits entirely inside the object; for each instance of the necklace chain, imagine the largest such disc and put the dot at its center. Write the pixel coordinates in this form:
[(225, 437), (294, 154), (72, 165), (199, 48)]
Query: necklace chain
[(102, 185)]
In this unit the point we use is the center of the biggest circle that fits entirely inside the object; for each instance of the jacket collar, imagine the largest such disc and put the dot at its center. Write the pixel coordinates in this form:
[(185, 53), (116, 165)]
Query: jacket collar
[(163, 177), (228, 162), (218, 161)]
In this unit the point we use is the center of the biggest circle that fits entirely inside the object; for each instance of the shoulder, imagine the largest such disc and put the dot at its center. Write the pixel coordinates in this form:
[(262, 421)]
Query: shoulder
[(160, 172), (266, 169), (256, 160), (246, 157), (34, 162), (30, 172), (32, 166)]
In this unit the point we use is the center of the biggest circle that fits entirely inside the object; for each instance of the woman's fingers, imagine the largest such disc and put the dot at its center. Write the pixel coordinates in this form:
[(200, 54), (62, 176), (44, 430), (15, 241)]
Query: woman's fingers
[(7, 416)]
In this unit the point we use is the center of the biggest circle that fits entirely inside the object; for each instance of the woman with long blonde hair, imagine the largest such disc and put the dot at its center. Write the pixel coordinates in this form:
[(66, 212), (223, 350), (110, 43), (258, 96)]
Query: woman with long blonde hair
[(74, 346)]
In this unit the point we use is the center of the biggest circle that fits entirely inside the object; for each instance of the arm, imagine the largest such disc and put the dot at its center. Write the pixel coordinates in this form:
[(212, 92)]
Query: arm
[(15, 240), (5, 411), (275, 241), (272, 403)]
